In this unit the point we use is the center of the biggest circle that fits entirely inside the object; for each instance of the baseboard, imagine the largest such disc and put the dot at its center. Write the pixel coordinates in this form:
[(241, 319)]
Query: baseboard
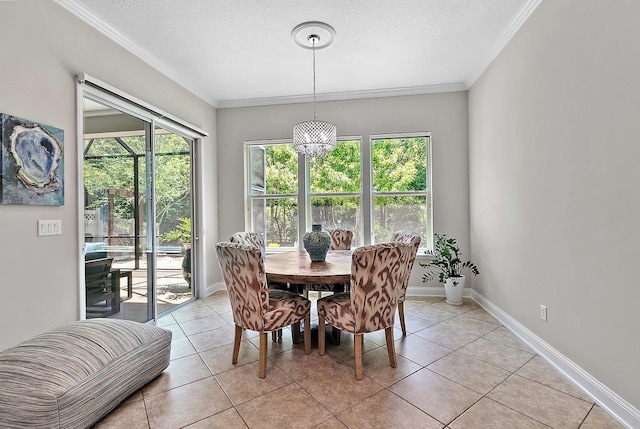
[(432, 291), (208, 290), (626, 413)]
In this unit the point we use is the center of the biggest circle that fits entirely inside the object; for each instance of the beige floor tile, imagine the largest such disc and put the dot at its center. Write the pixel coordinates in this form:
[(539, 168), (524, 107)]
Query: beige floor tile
[(540, 402), (497, 354), (221, 306), (600, 419), (134, 397), (447, 335), (386, 410), (504, 336), (379, 337), (176, 331), (433, 314), (211, 339), (415, 323), (436, 395), (278, 347), (420, 350), (202, 324), (478, 376), (538, 369), (337, 389), (192, 312), (376, 366), (179, 372), (296, 364), (482, 314), (181, 347), (126, 416), (186, 404), (229, 419), (469, 324), (243, 384), (219, 359), (284, 408), (164, 321), (332, 423), (489, 414), (468, 305)]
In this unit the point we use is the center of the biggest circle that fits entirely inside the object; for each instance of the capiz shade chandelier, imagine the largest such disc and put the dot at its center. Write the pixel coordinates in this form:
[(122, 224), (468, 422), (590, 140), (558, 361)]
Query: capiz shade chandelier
[(314, 138)]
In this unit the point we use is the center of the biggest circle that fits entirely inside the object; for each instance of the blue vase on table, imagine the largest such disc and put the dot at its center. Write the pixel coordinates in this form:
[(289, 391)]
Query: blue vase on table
[(316, 243)]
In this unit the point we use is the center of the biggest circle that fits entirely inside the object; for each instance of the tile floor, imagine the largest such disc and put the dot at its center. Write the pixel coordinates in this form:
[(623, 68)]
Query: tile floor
[(458, 367)]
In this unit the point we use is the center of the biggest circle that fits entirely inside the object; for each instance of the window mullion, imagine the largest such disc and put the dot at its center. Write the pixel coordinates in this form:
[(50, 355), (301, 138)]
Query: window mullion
[(366, 187)]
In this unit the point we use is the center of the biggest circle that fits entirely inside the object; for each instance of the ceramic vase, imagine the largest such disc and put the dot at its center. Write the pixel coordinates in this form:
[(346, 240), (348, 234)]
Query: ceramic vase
[(316, 243)]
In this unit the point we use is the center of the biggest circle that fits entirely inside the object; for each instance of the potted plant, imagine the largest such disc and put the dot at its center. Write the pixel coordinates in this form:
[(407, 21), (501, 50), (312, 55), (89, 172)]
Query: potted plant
[(448, 266), (182, 234)]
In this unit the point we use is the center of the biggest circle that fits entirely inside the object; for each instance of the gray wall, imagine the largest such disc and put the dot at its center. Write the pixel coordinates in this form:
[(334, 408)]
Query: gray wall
[(445, 115), (554, 127), (45, 47)]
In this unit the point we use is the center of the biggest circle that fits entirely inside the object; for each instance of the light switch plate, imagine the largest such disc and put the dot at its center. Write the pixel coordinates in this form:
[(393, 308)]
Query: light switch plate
[(49, 227)]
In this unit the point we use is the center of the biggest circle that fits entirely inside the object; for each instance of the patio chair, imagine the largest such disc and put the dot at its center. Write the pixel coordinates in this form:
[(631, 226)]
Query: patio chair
[(102, 286)]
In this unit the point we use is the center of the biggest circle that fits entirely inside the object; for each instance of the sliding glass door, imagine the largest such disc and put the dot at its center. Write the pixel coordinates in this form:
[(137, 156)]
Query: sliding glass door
[(138, 211)]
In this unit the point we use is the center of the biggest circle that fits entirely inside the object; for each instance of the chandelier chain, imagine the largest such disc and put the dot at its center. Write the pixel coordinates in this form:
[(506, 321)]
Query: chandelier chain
[(313, 48)]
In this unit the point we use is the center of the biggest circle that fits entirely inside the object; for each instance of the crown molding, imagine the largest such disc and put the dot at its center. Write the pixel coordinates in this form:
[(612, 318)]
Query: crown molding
[(502, 41), (114, 34), (338, 96)]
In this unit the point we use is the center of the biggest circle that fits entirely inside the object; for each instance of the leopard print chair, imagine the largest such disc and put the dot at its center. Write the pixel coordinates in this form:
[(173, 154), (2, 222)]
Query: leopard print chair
[(340, 239), (256, 239), (377, 274), (412, 238), (255, 306), (253, 238)]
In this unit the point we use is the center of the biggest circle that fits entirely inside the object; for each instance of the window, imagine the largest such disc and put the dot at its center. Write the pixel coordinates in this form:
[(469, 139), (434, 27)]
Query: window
[(372, 187)]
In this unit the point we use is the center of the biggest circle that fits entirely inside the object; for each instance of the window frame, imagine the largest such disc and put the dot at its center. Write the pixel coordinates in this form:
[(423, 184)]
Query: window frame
[(367, 193)]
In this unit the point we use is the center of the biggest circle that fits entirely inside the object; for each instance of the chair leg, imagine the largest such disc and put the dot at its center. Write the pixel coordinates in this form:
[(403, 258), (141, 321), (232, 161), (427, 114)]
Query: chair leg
[(307, 334), (321, 338), (262, 365), (236, 344), (274, 336), (401, 313), (357, 345), (391, 347)]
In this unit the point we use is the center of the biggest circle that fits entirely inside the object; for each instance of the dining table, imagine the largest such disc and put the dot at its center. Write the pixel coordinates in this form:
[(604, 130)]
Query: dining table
[(296, 268)]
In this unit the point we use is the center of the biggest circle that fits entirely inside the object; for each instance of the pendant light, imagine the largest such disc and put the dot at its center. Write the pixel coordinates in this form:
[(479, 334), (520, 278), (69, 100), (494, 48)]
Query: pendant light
[(314, 138)]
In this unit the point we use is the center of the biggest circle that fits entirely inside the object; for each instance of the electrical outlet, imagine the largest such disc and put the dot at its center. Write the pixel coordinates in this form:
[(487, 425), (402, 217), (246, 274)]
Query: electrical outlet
[(543, 312)]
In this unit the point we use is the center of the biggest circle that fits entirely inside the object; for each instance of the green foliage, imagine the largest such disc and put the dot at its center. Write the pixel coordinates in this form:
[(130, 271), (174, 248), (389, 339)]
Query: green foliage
[(446, 262), (181, 233), (110, 166)]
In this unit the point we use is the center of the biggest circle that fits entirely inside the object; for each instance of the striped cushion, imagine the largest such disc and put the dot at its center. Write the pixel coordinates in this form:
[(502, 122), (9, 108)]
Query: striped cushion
[(72, 376)]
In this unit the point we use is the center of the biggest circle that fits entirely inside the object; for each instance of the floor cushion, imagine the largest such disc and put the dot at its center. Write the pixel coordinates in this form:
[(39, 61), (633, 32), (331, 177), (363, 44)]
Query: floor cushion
[(72, 376)]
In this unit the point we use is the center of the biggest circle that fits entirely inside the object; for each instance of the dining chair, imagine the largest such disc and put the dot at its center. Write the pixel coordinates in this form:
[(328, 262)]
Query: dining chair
[(377, 273), (412, 238), (340, 239), (248, 237), (254, 305), (256, 239)]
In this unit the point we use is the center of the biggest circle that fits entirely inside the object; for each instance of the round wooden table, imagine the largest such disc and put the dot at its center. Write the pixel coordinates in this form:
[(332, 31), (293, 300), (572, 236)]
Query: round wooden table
[(296, 267)]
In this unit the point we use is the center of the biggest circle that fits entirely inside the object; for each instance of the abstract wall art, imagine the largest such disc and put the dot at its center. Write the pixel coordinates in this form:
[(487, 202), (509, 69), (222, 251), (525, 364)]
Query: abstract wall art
[(32, 162)]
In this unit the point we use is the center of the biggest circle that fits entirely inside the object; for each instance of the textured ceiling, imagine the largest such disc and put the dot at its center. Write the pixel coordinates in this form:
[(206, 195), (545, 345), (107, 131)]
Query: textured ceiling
[(240, 52)]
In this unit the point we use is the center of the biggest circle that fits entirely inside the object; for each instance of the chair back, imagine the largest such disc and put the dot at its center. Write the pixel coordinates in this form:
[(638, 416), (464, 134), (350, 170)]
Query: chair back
[(242, 268), (377, 273), (414, 239), (252, 238), (340, 239)]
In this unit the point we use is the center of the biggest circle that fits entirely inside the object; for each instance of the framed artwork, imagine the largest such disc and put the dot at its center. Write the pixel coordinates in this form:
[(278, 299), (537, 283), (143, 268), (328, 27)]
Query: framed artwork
[(32, 162)]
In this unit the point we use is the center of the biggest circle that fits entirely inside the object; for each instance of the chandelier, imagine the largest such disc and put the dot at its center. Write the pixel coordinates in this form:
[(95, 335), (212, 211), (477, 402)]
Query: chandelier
[(314, 138)]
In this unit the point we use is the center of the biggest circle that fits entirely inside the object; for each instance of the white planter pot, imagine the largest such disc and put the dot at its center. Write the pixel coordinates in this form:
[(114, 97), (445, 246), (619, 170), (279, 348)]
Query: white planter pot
[(454, 289)]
